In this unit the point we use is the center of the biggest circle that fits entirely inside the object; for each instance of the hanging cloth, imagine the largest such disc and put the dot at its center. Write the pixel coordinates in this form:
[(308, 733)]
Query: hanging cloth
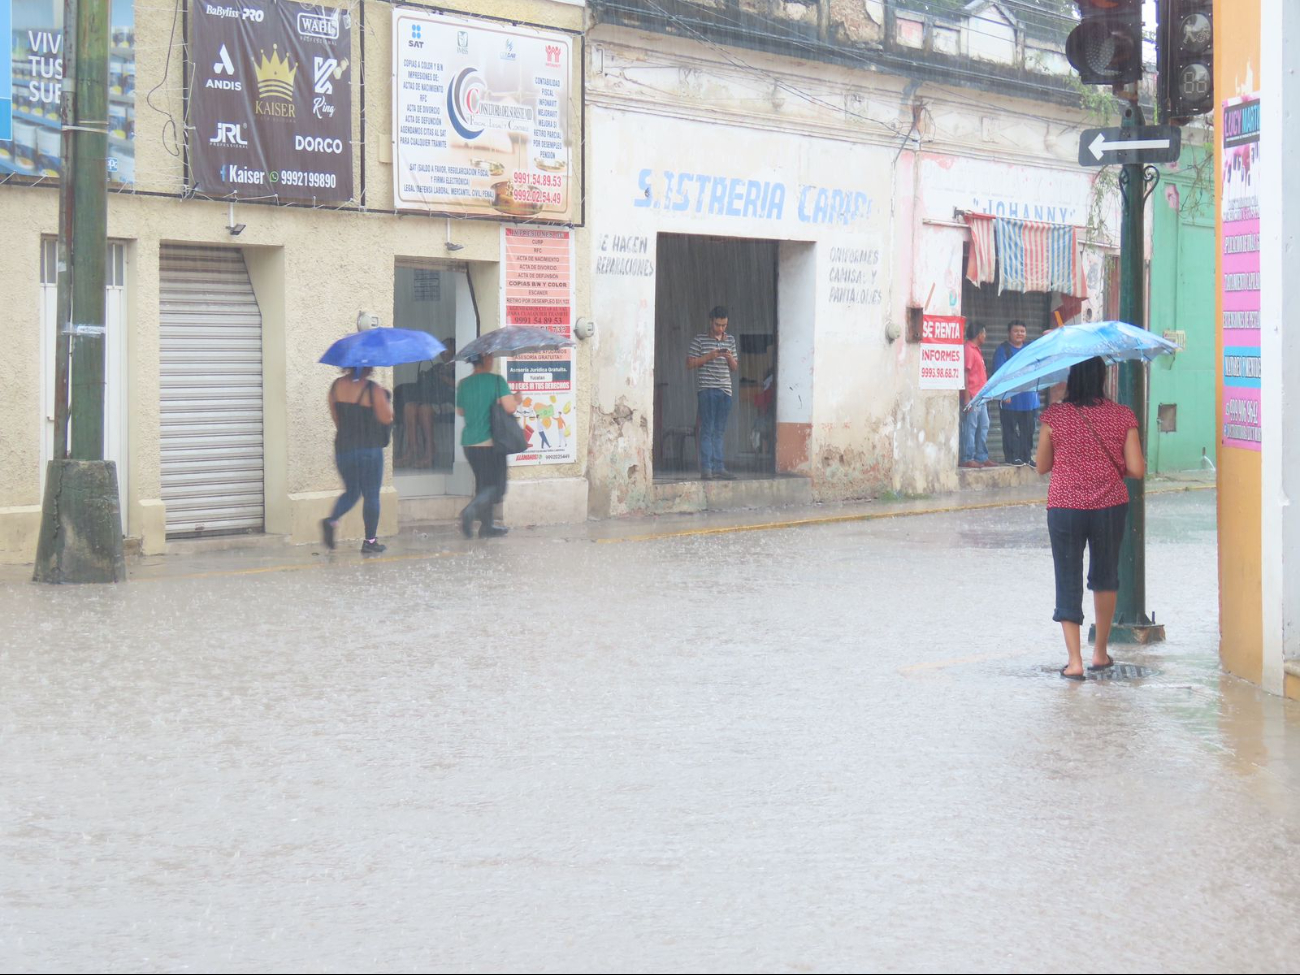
[(981, 266), (1038, 257)]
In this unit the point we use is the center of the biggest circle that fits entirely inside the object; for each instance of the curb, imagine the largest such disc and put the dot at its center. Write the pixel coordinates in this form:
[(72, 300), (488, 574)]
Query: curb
[(865, 516), (788, 523)]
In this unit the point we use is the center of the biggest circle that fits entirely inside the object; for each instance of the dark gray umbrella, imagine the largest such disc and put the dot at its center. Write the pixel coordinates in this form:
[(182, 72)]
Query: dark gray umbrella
[(513, 340)]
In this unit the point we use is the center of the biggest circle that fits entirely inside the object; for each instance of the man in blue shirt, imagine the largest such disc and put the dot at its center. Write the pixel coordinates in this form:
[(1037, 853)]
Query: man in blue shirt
[(1019, 409)]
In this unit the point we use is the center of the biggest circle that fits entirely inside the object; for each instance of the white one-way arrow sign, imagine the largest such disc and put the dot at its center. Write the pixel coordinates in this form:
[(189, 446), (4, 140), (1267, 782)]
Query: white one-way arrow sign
[(1100, 146), (1143, 144)]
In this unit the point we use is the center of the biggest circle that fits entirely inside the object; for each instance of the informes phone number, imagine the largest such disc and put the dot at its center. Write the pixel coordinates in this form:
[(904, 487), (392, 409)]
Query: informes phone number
[(296, 177), (531, 194)]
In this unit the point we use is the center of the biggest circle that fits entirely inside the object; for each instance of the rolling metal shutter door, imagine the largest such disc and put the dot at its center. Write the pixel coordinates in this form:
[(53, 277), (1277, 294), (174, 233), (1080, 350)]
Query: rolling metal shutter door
[(211, 351)]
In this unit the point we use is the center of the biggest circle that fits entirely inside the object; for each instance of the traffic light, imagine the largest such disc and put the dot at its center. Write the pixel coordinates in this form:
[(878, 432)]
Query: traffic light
[(1106, 47), (1184, 59)]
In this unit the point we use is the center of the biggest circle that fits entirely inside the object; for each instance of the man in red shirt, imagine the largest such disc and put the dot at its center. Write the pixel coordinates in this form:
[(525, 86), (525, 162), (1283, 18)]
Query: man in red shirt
[(974, 423)]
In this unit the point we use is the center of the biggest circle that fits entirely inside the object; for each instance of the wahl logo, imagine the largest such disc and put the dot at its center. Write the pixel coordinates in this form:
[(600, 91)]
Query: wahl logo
[(275, 77), (319, 25)]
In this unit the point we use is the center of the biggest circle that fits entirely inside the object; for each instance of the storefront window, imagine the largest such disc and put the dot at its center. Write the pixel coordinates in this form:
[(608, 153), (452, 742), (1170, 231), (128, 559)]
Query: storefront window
[(424, 393)]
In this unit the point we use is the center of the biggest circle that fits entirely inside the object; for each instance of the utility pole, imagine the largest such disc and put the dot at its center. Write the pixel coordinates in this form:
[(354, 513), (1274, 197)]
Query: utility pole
[(65, 265), (1106, 49), (89, 176), (81, 528), (1132, 625)]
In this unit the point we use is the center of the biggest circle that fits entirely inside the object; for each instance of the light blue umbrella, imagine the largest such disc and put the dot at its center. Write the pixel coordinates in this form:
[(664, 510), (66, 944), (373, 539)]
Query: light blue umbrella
[(1047, 361), (383, 347)]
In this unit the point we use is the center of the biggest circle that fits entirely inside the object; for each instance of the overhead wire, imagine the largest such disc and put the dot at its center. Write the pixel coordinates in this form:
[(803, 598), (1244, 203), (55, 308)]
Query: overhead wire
[(881, 61), (739, 62), (733, 59), (167, 64)]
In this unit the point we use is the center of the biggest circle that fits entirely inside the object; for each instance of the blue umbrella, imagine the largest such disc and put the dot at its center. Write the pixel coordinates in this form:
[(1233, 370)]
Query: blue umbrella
[(513, 340), (1047, 361), (382, 347)]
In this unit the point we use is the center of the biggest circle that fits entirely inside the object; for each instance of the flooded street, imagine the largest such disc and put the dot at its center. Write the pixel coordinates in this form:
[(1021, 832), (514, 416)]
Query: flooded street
[(839, 748)]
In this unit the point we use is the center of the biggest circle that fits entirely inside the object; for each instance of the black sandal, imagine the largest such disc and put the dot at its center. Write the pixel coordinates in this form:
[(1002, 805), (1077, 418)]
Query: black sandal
[(1110, 662), (1071, 676)]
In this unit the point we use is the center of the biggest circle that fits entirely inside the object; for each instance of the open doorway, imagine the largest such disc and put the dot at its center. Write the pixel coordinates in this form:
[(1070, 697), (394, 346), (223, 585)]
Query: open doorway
[(996, 311), (437, 300), (694, 275)]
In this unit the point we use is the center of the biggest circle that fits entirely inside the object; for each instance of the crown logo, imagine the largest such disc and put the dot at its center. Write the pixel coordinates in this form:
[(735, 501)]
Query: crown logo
[(275, 75)]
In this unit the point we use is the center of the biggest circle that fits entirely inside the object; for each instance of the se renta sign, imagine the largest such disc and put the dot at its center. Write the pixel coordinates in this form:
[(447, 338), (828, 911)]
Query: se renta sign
[(943, 352)]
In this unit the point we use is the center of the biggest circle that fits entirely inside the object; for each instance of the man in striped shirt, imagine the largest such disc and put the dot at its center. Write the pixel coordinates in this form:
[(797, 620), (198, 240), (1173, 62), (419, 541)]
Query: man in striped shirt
[(713, 357)]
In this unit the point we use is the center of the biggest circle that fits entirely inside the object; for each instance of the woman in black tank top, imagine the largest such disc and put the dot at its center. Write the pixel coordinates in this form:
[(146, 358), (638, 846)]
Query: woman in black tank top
[(363, 418)]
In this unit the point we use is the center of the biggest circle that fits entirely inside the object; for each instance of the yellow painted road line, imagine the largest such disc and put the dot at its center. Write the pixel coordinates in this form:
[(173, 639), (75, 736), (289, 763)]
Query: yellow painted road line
[(298, 566), (804, 522), (863, 516)]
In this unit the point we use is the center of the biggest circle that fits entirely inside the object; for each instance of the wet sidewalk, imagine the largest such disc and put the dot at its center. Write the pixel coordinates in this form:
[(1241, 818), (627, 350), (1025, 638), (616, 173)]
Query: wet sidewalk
[(440, 541)]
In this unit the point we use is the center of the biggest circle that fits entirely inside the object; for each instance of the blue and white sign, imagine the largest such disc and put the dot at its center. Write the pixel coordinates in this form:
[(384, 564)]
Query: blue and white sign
[(6, 72), (31, 86)]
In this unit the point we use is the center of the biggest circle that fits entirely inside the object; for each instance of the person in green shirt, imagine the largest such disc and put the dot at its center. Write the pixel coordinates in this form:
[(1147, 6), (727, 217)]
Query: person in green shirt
[(474, 398)]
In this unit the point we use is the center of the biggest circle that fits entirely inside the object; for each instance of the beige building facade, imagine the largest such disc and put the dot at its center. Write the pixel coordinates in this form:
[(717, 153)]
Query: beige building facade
[(219, 308)]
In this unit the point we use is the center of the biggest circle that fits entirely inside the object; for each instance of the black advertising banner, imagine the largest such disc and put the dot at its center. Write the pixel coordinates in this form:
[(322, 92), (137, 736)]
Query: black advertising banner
[(271, 100)]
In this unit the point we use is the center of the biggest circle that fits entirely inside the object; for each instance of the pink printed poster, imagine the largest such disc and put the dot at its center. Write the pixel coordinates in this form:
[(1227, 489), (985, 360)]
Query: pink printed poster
[(1241, 306)]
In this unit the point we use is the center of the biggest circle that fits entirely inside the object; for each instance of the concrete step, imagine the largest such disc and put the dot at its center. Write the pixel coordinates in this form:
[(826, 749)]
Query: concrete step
[(992, 478), (764, 492), (435, 510), (225, 543)]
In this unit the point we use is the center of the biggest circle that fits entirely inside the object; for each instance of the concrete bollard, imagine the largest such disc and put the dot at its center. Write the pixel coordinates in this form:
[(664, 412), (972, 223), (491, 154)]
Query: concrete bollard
[(81, 524)]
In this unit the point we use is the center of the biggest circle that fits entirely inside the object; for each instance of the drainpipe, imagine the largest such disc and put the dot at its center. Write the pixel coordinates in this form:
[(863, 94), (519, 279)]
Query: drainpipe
[(909, 95), (917, 109)]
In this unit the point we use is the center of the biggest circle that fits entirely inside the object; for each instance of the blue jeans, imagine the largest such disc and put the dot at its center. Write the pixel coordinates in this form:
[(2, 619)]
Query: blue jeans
[(715, 408), (362, 470), (1070, 529), (975, 434)]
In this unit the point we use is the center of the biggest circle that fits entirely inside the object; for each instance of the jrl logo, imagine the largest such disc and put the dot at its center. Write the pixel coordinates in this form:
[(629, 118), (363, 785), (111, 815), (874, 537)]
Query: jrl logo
[(229, 134)]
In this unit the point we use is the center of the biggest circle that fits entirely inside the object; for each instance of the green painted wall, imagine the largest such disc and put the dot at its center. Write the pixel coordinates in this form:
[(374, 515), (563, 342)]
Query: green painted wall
[(1182, 298)]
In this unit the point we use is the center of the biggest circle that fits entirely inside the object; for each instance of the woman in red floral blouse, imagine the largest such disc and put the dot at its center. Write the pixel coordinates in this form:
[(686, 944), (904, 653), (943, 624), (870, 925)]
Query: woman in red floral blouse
[(1089, 445)]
